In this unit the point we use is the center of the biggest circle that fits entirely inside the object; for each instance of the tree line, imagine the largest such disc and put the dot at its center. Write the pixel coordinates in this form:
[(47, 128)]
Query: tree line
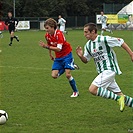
[(48, 8)]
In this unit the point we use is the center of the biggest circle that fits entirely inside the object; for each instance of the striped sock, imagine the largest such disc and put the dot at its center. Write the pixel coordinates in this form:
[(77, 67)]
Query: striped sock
[(107, 94), (128, 101)]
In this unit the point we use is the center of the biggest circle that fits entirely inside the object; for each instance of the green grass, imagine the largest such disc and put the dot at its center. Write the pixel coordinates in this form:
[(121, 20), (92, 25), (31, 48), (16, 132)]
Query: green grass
[(36, 103)]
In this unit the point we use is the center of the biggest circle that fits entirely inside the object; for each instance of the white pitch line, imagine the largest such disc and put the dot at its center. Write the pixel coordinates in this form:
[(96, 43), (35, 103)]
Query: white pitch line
[(20, 67), (37, 68)]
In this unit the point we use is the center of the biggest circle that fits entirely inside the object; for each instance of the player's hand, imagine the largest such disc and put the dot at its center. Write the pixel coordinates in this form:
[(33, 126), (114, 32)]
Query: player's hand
[(79, 51), (42, 44), (51, 57)]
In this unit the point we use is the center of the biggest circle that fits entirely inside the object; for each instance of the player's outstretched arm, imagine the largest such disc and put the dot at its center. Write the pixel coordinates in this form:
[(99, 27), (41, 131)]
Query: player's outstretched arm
[(79, 52), (129, 51)]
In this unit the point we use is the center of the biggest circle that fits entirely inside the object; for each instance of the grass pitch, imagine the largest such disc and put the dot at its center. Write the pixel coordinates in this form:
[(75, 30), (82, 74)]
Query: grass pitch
[(36, 103)]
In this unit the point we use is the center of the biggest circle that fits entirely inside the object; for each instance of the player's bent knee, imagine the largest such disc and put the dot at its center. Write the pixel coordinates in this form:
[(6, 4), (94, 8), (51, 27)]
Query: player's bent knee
[(54, 76), (12, 34), (92, 90), (68, 76)]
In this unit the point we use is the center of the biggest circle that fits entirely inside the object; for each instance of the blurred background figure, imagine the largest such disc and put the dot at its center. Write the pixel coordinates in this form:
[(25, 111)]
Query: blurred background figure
[(10, 21), (103, 18), (62, 23), (1, 35)]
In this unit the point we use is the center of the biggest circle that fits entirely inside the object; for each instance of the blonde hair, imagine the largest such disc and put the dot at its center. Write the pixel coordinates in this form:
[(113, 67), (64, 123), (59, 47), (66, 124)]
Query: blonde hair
[(51, 22)]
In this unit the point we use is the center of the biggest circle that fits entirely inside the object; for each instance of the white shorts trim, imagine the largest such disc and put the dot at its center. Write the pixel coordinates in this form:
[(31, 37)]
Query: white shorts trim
[(106, 79)]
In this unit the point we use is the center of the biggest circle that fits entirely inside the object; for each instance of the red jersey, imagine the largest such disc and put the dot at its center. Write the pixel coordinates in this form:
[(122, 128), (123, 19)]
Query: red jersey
[(59, 38)]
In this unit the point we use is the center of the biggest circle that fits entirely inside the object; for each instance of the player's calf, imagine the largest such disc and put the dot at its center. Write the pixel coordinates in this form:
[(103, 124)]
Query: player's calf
[(68, 76)]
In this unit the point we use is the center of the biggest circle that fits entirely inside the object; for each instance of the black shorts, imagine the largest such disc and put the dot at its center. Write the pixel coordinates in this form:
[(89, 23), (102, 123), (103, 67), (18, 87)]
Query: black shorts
[(11, 29)]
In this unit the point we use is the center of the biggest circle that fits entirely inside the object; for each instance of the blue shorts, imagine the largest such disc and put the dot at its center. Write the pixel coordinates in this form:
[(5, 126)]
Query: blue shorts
[(66, 62)]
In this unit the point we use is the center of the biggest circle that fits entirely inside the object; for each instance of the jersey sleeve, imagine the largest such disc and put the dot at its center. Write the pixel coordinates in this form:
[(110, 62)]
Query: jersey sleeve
[(63, 20), (113, 41), (86, 53), (60, 38)]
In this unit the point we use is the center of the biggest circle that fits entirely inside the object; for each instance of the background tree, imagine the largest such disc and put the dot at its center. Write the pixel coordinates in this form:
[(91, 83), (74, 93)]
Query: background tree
[(47, 8), (77, 7)]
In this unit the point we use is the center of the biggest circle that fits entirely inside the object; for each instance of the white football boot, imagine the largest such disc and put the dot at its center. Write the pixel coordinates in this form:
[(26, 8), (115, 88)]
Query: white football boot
[(75, 94)]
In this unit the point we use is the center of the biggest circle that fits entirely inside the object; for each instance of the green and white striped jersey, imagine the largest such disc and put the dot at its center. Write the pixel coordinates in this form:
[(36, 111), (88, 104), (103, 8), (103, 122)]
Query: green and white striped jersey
[(101, 51), (103, 19)]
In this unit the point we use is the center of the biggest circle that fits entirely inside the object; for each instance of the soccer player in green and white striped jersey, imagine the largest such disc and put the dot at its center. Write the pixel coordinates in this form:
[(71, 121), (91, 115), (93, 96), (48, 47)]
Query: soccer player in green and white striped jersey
[(103, 18), (100, 49)]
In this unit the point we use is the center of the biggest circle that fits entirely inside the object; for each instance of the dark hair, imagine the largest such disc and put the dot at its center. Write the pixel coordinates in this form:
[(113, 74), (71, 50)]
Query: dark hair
[(10, 12), (51, 22), (91, 27)]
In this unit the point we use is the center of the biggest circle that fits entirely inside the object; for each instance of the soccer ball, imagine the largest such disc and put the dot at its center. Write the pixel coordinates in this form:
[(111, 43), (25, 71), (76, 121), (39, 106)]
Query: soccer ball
[(3, 117)]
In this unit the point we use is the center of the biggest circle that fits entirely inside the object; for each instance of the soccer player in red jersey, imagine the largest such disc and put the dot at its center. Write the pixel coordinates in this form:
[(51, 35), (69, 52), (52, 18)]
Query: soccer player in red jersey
[(63, 61)]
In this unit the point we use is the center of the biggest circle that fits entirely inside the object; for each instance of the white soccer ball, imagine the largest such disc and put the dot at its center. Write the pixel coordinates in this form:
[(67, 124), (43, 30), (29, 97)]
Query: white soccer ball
[(3, 117)]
